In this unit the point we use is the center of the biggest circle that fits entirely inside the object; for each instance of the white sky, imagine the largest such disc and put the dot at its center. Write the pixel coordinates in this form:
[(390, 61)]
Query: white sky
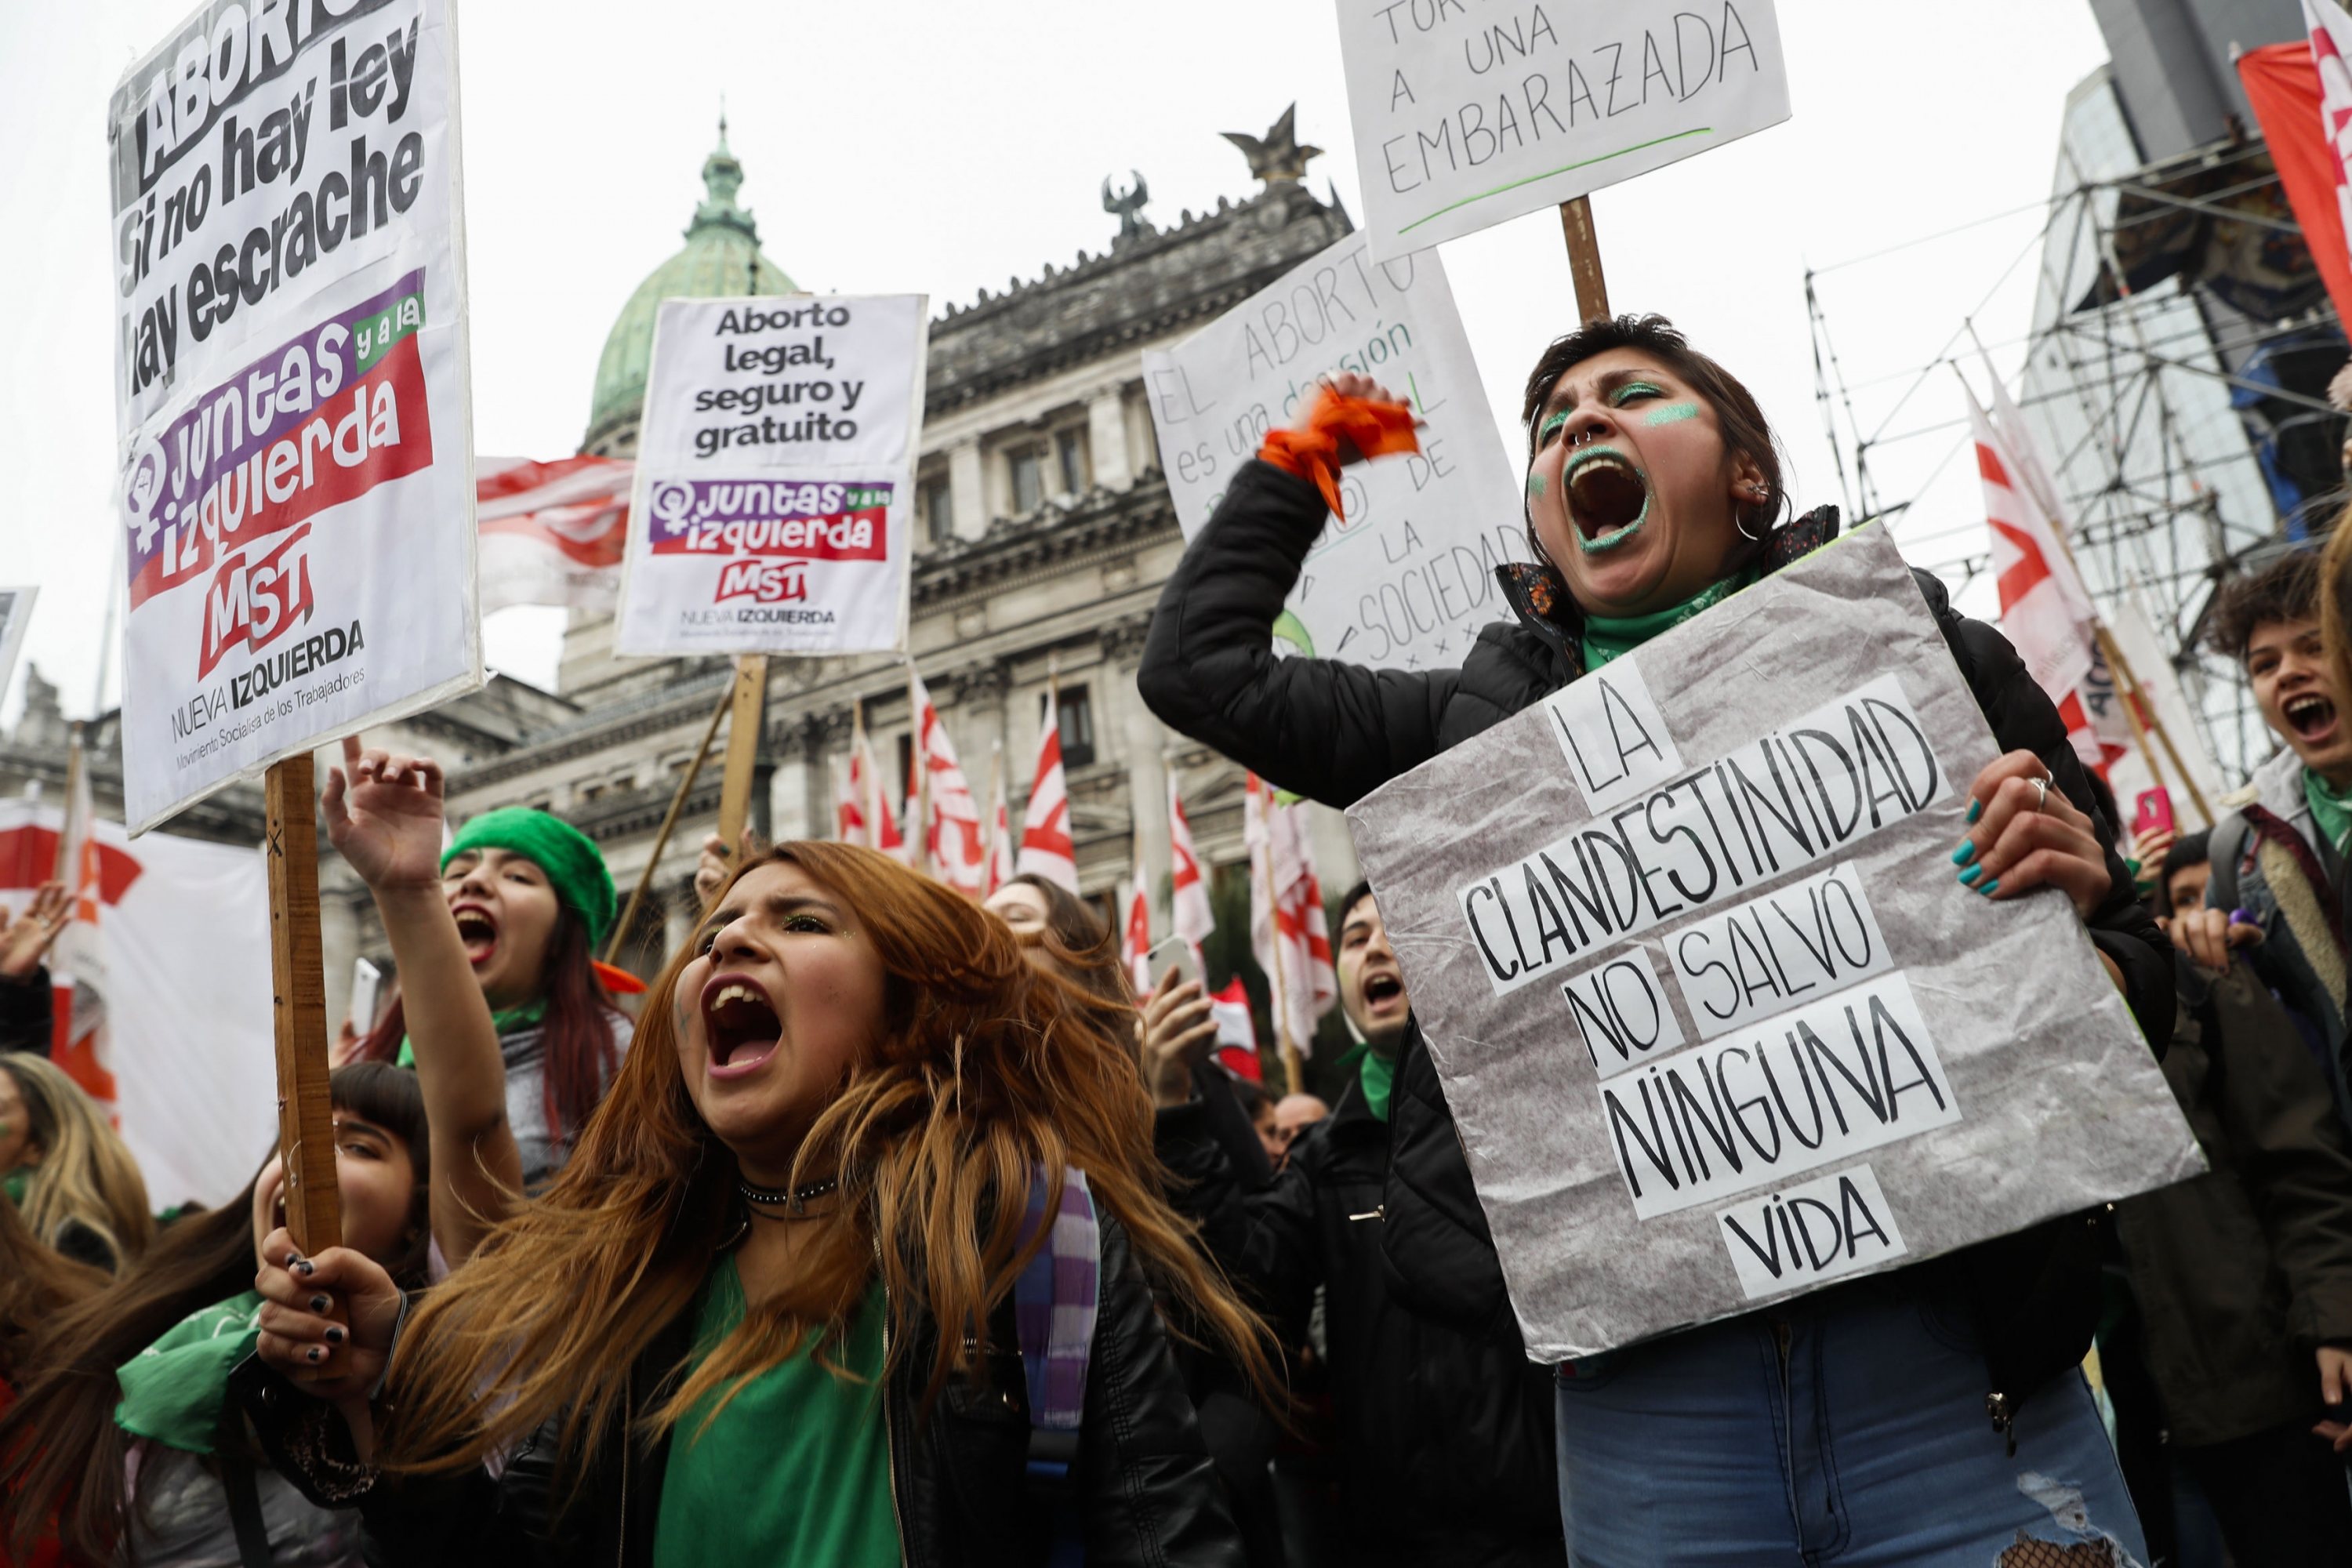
[(948, 145)]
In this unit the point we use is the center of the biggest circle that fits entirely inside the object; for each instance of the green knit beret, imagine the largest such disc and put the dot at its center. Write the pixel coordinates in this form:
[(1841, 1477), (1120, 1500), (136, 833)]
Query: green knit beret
[(574, 867)]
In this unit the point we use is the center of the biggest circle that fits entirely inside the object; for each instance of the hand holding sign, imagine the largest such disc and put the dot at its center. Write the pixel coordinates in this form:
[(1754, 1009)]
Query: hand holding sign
[(2027, 834)]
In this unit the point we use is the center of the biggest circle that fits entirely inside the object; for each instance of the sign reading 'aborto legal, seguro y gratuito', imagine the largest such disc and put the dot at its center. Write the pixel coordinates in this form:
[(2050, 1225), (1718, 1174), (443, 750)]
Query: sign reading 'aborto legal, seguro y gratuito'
[(1716, 1021)]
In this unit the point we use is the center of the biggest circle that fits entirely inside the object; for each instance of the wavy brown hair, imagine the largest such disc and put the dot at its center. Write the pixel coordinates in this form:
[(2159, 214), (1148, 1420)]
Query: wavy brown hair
[(985, 1070), (86, 1177), (1077, 937)]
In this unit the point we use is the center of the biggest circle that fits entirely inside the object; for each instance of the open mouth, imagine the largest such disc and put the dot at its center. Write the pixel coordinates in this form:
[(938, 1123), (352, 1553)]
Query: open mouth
[(2310, 715), (477, 931), (740, 1023), (1608, 497), (1381, 989)]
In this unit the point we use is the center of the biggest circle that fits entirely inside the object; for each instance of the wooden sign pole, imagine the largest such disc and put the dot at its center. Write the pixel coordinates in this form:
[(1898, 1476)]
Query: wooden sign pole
[(306, 1112), (628, 920), (1584, 260), (744, 733)]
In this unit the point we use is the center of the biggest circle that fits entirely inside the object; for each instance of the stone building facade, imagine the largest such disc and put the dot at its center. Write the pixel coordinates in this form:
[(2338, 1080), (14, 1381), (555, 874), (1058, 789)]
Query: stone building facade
[(1043, 532)]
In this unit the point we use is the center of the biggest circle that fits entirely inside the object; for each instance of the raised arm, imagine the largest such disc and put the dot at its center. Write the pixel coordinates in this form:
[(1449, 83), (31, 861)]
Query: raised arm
[(384, 815)]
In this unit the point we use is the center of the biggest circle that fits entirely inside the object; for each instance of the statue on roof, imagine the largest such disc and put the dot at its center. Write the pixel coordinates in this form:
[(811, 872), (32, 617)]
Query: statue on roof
[(1127, 206), (1277, 157)]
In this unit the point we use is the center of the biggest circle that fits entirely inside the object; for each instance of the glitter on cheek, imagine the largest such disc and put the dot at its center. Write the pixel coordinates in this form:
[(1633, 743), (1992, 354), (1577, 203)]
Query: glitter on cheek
[(1671, 413), (1535, 485)]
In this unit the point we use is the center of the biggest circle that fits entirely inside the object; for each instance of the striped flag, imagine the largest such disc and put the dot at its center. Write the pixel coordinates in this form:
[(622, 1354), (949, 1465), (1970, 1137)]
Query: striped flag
[(1289, 933), (864, 810), (551, 533), (1189, 890), (954, 841), (1047, 849), (999, 829), (1236, 1031), (1135, 934)]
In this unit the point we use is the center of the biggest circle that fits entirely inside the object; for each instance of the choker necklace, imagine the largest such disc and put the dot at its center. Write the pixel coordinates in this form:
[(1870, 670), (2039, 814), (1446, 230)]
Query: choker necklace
[(795, 1199)]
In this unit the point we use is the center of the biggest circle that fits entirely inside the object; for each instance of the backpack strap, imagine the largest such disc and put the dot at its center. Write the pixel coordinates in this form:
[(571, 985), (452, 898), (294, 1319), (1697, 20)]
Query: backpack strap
[(1056, 1299)]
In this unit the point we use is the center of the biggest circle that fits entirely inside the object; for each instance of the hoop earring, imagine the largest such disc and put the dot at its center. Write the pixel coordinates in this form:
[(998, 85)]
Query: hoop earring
[(1739, 521)]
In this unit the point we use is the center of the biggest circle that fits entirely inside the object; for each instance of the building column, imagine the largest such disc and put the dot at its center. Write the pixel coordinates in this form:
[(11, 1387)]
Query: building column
[(1106, 439), (967, 489), (1143, 743), (339, 943)]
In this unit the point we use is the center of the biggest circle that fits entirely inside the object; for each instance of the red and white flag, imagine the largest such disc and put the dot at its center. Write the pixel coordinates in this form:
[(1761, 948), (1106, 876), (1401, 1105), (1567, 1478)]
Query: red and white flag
[(1188, 893), (865, 811), (1047, 849), (186, 1037), (1236, 1031), (2045, 611), (999, 829), (1289, 933), (1135, 933), (551, 533), (954, 839), (2301, 94), (77, 961)]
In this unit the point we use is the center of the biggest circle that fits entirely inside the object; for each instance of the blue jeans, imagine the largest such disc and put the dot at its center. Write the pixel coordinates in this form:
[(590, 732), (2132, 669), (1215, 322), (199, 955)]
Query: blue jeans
[(1846, 1428)]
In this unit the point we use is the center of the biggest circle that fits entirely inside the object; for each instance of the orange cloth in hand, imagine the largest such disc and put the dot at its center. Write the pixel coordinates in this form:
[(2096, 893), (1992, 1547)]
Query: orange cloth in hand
[(1335, 424)]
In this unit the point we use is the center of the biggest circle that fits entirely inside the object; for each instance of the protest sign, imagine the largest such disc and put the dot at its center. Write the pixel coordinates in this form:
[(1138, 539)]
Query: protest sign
[(15, 615), (290, 385), (775, 469), (1466, 115), (1715, 1018), (1406, 577)]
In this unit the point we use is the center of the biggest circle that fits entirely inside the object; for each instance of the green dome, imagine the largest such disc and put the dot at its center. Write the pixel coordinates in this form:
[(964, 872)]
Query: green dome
[(721, 256)]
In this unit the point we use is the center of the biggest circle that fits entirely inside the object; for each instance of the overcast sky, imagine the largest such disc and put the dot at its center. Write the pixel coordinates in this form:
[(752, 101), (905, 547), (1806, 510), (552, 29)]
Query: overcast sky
[(948, 145)]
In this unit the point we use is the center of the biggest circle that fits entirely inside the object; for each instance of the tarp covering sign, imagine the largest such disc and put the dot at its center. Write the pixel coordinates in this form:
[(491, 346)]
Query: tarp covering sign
[(772, 507), (1715, 1019), (1404, 579), (1468, 113), (289, 354)]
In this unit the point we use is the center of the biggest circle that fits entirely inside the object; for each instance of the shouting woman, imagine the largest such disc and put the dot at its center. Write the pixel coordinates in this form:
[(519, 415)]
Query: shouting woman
[(1910, 1418)]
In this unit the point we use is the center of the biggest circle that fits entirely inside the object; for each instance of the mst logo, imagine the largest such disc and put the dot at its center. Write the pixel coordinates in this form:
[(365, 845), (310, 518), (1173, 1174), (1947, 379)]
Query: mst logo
[(762, 582), (254, 601)]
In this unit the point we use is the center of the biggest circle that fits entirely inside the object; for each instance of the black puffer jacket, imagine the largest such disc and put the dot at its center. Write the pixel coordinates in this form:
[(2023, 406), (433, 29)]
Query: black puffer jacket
[(1141, 1481), (1445, 1434), (1335, 731)]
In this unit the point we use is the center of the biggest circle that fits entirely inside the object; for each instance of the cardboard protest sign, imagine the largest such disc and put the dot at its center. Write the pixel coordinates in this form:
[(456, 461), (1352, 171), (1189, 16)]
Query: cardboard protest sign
[(1466, 115), (290, 385), (772, 512), (15, 617), (1406, 577), (1716, 1021)]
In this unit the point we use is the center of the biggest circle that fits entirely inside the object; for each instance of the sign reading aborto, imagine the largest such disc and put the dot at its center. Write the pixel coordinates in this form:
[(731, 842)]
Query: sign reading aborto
[(295, 461), (1404, 578), (1467, 112), (773, 499), (1715, 1020)]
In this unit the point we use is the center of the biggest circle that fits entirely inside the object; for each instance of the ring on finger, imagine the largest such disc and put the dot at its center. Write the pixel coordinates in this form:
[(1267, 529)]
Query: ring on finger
[(2042, 793)]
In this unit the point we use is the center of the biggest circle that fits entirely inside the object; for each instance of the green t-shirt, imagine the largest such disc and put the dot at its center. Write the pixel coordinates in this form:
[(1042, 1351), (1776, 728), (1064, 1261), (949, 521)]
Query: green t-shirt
[(795, 1469)]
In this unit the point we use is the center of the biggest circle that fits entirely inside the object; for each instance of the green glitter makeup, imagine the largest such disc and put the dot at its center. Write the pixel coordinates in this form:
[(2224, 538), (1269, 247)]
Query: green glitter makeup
[(1632, 390), (1534, 484), (1671, 413), (1550, 424)]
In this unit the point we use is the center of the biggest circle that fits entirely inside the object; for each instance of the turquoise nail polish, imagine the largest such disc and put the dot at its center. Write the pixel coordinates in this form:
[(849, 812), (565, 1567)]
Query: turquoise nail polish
[(1975, 809), (1970, 873), (1988, 888), (1964, 853)]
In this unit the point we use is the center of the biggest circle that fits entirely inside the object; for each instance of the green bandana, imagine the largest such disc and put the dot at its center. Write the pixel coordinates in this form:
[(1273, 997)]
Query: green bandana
[(1607, 637), (1377, 1073), (16, 1183), (173, 1391), (574, 867), (505, 1022), (2331, 809)]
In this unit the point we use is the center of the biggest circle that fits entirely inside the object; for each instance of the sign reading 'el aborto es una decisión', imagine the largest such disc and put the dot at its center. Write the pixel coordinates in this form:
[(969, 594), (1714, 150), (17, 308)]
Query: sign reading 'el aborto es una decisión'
[(1715, 1020), (1467, 112), (290, 348), (771, 509)]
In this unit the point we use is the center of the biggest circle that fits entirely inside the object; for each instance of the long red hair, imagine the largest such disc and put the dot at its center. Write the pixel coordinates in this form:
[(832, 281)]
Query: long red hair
[(985, 1070)]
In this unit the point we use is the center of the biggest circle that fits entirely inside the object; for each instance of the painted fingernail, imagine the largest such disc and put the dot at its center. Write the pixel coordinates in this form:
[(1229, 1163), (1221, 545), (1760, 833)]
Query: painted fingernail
[(1989, 889), (1969, 874), (1965, 853), (2242, 917), (1975, 809), (320, 1303), (335, 1336), (305, 1267), (316, 1352)]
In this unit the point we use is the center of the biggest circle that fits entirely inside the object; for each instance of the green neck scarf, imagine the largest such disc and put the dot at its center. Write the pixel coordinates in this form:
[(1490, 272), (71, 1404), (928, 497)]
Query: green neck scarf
[(506, 1021), (1608, 637), (2331, 809), (174, 1391), (1377, 1073), (16, 1183)]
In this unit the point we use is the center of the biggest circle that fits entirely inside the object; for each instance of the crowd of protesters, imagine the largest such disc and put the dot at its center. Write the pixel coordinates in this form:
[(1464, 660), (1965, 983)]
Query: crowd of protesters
[(887, 1226)]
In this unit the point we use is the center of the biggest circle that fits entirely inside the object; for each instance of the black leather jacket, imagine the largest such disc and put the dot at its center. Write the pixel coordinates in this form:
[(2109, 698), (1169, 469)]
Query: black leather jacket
[(1141, 1482)]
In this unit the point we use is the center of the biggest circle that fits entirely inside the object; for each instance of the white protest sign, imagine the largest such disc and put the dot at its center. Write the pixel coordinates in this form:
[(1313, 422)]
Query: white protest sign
[(1404, 579), (1466, 114), (16, 616), (290, 377), (773, 510), (1742, 1031)]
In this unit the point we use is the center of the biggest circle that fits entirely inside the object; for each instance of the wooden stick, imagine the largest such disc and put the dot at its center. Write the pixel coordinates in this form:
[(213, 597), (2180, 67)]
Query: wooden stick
[(669, 820), (305, 1110), (744, 734), (1584, 260), (2128, 688)]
